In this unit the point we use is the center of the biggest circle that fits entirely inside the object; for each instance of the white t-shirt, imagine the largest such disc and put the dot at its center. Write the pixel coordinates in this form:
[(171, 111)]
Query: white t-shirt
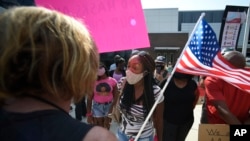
[(112, 67)]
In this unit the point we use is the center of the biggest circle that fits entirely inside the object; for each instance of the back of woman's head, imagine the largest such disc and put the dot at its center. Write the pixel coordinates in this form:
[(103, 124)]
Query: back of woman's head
[(44, 51)]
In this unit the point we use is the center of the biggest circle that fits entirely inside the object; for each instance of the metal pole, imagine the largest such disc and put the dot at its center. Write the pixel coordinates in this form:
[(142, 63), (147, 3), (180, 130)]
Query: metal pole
[(246, 34)]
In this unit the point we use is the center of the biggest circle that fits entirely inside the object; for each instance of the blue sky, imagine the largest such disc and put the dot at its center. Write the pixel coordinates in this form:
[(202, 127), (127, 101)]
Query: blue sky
[(193, 4)]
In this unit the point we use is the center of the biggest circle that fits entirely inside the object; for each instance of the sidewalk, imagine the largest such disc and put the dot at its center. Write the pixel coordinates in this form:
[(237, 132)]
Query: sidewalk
[(193, 133)]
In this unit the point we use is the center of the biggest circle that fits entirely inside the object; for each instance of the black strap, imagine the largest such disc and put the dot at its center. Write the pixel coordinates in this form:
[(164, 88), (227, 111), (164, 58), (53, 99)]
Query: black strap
[(48, 102)]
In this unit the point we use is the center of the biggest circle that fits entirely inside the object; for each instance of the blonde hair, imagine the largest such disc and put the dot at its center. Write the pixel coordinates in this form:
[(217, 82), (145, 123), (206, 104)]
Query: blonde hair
[(44, 51)]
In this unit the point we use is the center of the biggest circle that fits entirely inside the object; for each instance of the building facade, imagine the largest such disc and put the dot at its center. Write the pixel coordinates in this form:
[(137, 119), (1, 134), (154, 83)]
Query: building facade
[(169, 29)]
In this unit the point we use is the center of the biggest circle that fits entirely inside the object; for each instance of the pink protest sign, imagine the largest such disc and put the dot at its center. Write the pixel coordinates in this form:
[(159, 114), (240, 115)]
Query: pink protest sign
[(116, 25)]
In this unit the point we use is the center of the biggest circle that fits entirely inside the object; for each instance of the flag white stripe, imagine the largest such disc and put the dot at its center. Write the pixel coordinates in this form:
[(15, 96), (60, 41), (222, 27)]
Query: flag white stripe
[(236, 73), (242, 71), (195, 70), (233, 81), (230, 75)]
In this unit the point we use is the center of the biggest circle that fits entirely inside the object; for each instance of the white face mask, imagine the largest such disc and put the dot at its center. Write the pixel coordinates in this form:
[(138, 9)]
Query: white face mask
[(101, 71), (133, 78)]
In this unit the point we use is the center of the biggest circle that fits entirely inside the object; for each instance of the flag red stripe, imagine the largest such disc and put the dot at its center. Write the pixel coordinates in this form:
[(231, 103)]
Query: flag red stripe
[(190, 64)]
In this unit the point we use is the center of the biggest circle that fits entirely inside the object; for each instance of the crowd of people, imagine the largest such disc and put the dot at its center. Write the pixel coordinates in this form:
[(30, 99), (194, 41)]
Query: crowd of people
[(49, 60)]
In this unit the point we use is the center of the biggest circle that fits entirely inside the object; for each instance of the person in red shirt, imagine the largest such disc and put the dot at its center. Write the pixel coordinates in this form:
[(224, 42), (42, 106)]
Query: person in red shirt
[(225, 103)]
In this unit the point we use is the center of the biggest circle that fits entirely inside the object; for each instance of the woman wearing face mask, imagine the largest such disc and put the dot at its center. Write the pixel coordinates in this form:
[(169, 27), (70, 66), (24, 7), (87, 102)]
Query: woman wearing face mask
[(139, 92), (100, 103), (181, 97)]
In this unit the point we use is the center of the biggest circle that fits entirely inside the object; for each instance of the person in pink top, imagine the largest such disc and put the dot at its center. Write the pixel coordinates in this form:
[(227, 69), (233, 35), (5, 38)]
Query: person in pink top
[(225, 103), (100, 103)]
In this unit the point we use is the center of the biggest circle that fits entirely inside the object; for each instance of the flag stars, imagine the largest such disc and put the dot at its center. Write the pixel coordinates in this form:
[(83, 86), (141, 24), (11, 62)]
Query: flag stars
[(204, 44)]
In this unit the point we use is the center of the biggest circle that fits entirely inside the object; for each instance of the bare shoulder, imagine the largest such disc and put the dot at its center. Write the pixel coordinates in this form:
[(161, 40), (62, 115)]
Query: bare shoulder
[(99, 134)]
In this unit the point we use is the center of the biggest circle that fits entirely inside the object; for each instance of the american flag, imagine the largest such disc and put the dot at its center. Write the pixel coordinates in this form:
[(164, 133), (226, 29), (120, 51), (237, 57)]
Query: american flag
[(202, 56)]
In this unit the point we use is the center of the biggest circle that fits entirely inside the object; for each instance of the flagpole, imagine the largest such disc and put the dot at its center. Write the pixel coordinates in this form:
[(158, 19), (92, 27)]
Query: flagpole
[(168, 80), (246, 34)]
